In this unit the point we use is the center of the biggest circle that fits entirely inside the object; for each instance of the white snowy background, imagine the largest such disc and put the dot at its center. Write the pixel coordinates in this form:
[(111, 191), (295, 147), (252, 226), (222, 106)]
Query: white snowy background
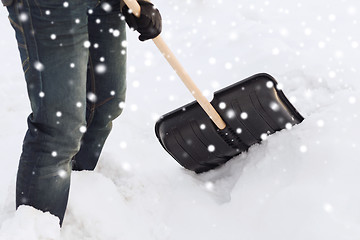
[(301, 183)]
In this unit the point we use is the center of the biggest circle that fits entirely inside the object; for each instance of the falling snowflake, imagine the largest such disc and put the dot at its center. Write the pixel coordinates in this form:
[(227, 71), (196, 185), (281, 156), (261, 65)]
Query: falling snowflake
[(320, 123), (307, 31), (274, 106), (207, 93), (87, 44), (228, 66), (54, 154), (212, 61), (328, 207), (211, 148), (116, 33), (136, 84), (275, 51), (230, 114), (171, 98), (79, 104), (58, 114), (123, 145), (244, 115), (321, 44), (106, 7), (332, 74), (134, 107), (352, 100), (292, 99), (185, 155), (82, 129), (354, 44), (155, 117), (92, 97), (222, 105), (39, 66), (62, 173), (284, 32), (122, 105), (126, 167), (23, 17), (351, 10), (131, 69), (209, 186), (124, 43), (332, 17), (148, 62), (279, 86), (215, 85), (303, 149), (269, 84), (66, 4), (233, 36), (100, 68)]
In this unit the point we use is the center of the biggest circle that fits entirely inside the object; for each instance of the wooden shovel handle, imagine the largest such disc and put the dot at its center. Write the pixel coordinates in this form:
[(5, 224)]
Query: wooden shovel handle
[(179, 69)]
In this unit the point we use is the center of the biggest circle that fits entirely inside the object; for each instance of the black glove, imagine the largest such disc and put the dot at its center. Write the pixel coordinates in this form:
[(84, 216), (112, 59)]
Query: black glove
[(149, 23)]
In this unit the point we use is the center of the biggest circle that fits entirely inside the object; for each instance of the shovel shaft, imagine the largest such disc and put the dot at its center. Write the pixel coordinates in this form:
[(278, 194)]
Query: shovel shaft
[(134, 6), (180, 71), (189, 83)]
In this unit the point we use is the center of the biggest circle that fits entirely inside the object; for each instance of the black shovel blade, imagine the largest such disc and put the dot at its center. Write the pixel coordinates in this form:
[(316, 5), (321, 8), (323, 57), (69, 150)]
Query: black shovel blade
[(252, 109)]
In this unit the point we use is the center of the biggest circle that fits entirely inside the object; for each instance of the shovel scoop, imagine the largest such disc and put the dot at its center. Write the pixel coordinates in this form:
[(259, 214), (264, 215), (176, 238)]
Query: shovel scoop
[(252, 109), (204, 135)]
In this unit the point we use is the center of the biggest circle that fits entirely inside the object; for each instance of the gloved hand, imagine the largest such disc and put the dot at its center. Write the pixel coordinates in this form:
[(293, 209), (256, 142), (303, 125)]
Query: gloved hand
[(149, 23)]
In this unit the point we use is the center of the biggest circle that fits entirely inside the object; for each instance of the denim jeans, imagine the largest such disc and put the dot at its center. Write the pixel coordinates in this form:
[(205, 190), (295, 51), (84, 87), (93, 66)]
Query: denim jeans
[(74, 61)]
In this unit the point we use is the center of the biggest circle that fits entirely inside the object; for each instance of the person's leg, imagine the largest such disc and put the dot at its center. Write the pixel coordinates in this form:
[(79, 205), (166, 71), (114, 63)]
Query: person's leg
[(106, 80), (51, 36)]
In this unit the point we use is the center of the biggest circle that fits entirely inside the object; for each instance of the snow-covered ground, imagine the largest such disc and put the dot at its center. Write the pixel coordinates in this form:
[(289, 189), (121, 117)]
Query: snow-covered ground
[(299, 184)]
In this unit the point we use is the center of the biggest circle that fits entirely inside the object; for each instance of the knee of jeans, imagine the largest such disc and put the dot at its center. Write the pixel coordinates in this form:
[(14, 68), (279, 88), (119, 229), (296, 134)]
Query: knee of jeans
[(61, 128), (108, 111)]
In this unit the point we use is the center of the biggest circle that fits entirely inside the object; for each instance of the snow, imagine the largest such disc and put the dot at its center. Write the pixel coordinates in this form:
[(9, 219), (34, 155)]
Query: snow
[(31, 224), (300, 183)]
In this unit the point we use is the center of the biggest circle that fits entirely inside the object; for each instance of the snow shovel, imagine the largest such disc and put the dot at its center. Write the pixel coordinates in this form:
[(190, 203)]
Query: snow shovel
[(201, 135)]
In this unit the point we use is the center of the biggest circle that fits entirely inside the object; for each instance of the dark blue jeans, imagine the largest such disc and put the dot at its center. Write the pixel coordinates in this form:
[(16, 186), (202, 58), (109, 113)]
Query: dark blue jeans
[(74, 61)]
